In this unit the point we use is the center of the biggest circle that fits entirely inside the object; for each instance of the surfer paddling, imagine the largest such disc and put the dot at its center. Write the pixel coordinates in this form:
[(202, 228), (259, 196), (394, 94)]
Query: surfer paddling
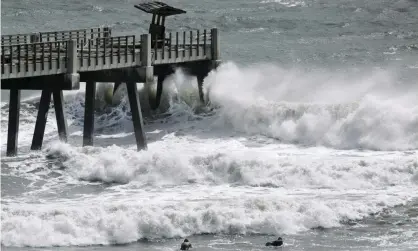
[(185, 245), (276, 243)]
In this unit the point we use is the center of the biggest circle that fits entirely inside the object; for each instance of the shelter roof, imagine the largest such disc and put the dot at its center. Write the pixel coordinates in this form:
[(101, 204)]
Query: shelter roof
[(160, 8)]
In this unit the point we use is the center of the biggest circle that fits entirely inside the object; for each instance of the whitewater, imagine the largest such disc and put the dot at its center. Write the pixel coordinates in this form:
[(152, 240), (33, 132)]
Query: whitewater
[(316, 143)]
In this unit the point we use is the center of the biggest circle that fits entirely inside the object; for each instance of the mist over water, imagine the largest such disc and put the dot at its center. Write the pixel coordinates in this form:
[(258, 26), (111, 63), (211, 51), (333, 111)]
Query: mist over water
[(310, 133)]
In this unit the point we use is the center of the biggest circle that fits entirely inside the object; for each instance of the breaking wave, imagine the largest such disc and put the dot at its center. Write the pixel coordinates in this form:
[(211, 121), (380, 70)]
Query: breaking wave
[(366, 110), (118, 221)]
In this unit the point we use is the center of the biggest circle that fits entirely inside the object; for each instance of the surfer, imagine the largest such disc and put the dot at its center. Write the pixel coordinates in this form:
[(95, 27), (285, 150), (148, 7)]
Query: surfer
[(276, 243), (185, 245)]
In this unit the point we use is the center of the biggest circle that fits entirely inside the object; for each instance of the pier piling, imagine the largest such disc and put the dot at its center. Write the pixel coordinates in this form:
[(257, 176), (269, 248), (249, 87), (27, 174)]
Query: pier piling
[(38, 134), (163, 72), (60, 115), (160, 81), (90, 97), (200, 79), (137, 120), (13, 127)]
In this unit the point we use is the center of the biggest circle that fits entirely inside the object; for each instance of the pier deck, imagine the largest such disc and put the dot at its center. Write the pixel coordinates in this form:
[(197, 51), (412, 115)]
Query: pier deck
[(60, 60), (96, 51)]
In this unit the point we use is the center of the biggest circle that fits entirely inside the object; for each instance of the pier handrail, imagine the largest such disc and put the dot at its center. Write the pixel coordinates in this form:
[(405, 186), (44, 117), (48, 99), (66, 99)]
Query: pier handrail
[(44, 53), (49, 58), (18, 38), (80, 35), (181, 43), (108, 50)]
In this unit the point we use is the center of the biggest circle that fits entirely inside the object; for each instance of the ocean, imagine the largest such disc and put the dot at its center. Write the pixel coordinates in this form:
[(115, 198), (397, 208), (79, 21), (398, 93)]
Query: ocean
[(311, 134)]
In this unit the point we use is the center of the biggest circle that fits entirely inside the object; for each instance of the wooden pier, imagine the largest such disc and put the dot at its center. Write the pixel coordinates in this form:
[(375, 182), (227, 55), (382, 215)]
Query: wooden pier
[(59, 60)]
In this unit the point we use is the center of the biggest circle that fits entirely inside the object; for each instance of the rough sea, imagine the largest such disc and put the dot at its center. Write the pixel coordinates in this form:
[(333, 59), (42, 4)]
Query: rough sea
[(311, 134)]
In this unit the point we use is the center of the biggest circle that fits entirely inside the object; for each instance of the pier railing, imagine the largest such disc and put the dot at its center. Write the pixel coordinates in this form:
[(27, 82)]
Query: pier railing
[(179, 46), (81, 36), (107, 53), (104, 52), (18, 38), (33, 59)]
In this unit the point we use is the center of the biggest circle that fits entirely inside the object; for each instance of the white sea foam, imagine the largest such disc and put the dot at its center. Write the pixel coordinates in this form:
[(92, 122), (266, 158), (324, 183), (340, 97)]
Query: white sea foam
[(183, 186), (205, 162), (168, 214), (287, 3), (338, 110)]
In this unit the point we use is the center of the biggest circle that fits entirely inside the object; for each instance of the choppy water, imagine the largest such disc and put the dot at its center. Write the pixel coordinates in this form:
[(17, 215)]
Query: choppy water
[(311, 135)]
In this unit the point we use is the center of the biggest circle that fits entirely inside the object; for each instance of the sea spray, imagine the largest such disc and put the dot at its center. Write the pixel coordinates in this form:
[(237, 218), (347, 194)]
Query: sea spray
[(368, 110)]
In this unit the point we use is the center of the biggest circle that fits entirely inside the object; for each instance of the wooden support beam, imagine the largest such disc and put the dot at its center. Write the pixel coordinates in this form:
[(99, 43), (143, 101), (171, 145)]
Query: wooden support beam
[(137, 120), (89, 113), (60, 115), (38, 135), (13, 128)]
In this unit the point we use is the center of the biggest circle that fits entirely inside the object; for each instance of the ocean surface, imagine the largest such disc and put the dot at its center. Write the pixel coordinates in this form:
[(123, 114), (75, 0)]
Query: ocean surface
[(311, 134)]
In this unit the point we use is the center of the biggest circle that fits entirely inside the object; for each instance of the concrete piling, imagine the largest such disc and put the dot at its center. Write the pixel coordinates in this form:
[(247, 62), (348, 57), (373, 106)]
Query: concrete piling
[(160, 81), (38, 134), (90, 97), (41, 119), (137, 120), (60, 115), (200, 79), (13, 127)]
